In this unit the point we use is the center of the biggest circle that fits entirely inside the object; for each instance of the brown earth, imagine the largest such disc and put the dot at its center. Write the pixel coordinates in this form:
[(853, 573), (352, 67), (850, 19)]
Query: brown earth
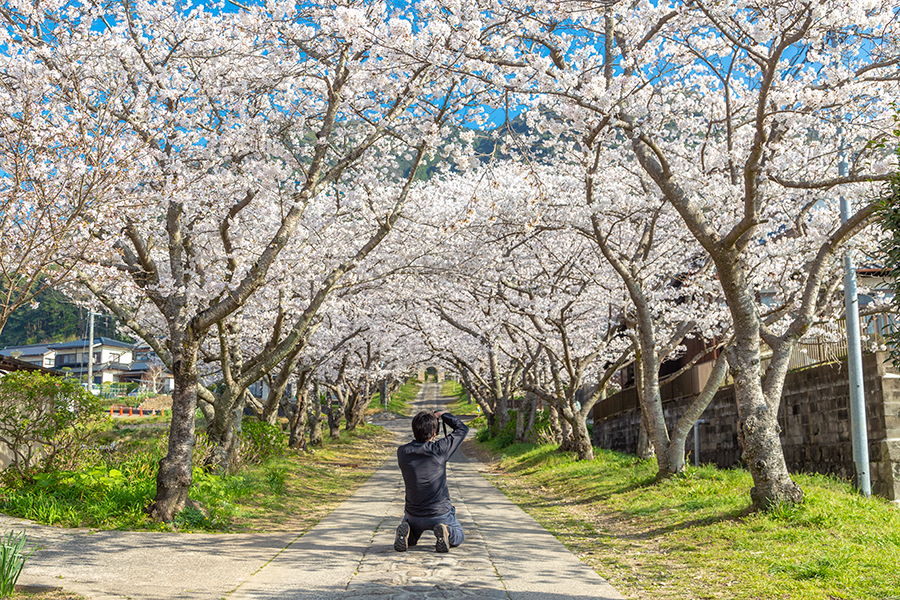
[(157, 402)]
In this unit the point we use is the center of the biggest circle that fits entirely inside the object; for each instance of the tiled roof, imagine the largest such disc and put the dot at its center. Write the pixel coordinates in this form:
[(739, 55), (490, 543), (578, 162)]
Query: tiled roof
[(102, 341), (31, 350), (9, 364)]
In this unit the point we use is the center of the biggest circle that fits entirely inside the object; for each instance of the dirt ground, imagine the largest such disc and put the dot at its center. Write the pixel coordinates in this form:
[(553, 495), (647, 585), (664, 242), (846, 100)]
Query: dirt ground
[(157, 403)]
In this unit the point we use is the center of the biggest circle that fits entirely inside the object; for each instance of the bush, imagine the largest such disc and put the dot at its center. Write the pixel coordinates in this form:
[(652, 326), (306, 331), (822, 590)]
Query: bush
[(540, 433), (260, 441), (92, 495), (43, 416), (499, 438)]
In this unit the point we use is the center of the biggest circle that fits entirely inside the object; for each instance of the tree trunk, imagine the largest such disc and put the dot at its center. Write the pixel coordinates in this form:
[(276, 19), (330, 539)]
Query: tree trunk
[(758, 431), (758, 427), (566, 434), (334, 425), (355, 413), (333, 409), (222, 429), (500, 393), (556, 431), (173, 481), (650, 397), (297, 439), (273, 402), (645, 446), (581, 438), (525, 417), (315, 418), (694, 412), (532, 413)]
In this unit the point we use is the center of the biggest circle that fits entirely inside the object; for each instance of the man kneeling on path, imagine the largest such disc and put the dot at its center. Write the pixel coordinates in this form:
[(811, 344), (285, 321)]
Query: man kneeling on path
[(424, 467)]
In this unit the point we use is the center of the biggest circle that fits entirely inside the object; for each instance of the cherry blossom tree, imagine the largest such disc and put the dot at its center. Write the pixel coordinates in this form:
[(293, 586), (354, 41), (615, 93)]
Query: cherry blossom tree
[(738, 114), (241, 122), (57, 171)]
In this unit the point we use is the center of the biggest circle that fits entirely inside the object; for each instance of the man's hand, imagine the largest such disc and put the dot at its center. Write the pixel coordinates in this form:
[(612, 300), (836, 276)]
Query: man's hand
[(438, 413)]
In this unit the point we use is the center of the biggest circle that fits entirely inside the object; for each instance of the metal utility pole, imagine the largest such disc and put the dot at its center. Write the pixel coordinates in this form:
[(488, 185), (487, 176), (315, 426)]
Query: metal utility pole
[(858, 426), (90, 360)]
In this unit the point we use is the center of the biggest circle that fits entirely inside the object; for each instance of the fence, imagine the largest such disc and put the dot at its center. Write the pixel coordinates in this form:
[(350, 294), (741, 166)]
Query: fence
[(833, 348)]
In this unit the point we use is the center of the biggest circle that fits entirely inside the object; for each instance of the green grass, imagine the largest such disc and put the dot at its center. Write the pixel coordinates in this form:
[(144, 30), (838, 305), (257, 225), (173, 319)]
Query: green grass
[(400, 400), (461, 405), (693, 536), (296, 491), (109, 489)]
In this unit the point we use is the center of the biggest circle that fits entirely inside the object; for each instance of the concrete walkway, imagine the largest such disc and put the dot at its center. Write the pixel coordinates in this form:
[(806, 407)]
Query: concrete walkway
[(349, 555)]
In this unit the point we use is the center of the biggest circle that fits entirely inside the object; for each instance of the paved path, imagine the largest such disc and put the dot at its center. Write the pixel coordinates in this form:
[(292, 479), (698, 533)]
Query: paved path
[(348, 556)]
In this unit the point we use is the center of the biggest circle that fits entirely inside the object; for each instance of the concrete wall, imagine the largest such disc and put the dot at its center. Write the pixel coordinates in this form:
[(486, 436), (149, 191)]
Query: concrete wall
[(814, 416)]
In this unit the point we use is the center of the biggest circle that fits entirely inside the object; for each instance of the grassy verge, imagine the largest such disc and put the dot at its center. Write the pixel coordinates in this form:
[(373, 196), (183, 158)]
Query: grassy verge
[(461, 405), (693, 536), (111, 484), (309, 486), (400, 400)]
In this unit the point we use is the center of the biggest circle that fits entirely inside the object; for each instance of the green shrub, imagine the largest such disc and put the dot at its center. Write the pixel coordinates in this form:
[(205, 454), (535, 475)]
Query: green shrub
[(499, 438), (95, 495), (190, 519), (260, 441), (43, 416)]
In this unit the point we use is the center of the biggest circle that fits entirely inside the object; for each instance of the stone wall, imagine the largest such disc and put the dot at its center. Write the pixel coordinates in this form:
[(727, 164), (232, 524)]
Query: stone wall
[(814, 416)]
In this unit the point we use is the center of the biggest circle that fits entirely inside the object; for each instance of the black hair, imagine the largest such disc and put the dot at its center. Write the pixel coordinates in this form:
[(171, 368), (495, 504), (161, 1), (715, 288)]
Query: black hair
[(424, 426)]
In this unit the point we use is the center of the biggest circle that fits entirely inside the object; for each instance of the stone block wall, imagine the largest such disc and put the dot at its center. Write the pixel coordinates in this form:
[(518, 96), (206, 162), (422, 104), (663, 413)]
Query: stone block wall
[(814, 416)]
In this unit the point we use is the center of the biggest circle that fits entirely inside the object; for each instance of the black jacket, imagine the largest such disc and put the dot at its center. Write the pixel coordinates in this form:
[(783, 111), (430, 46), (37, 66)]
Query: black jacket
[(424, 468)]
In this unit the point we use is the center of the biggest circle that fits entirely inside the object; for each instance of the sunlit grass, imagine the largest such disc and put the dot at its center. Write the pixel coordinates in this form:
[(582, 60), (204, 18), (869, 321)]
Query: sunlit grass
[(400, 400), (112, 488), (694, 535), (462, 405)]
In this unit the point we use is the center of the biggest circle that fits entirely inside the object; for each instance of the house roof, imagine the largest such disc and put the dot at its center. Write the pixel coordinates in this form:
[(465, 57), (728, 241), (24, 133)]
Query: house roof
[(30, 350), (98, 341), (9, 364)]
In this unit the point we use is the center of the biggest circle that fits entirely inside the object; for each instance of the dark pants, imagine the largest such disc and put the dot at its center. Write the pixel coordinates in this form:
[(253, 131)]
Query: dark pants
[(418, 525)]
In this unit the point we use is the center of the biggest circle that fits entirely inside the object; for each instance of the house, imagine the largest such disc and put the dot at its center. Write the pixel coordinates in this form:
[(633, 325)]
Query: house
[(114, 361), (149, 371), (111, 358), (40, 355)]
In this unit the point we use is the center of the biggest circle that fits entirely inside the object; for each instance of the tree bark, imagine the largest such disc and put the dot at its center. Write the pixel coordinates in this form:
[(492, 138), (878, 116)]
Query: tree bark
[(174, 478), (315, 418), (333, 409), (556, 431), (565, 432), (758, 429), (525, 417), (645, 445), (694, 411), (357, 404), (297, 437), (574, 431), (501, 392)]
